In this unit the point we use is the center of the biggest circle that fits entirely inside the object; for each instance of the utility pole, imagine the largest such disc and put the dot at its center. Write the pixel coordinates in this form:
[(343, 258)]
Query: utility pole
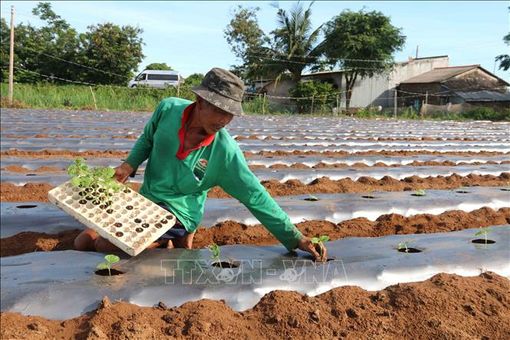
[(395, 104), (417, 47), (11, 59)]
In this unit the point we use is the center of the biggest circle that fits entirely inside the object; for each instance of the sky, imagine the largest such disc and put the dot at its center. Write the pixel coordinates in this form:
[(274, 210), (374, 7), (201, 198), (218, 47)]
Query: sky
[(189, 35)]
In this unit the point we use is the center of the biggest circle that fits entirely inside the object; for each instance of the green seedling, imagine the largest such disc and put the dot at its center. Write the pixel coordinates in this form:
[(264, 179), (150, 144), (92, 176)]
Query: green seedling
[(98, 183), (311, 198), (403, 245), (110, 259), (484, 232), (320, 241), (420, 192), (215, 252)]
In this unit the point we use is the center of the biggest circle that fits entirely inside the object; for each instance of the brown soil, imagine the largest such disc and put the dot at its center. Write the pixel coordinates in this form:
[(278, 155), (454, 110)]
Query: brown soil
[(124, 154), (230, 232), (446, 306), (20, 169), (28, 241), (363, 165), (368, 184), (37, 192), (64, 154)]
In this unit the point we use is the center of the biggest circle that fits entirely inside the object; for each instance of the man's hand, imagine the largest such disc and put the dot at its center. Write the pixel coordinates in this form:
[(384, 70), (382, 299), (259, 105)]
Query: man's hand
[(316, 250), (122, 172)]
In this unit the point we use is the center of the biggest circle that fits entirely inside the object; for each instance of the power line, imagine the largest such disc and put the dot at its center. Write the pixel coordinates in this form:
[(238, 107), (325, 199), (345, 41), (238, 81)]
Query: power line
[(71, 62)]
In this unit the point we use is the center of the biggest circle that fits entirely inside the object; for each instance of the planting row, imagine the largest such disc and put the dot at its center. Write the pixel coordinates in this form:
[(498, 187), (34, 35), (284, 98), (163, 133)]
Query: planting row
[(229, 232), (39, 191), (61, 285), (334, 208), (303, 175), (44, 121), (258, 161), (33, 144)]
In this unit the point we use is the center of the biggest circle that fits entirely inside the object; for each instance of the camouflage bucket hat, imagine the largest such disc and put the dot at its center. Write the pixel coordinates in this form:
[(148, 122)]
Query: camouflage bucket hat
[(222, 89)]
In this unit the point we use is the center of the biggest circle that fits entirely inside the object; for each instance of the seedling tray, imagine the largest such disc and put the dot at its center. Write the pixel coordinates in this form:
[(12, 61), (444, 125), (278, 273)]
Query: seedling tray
[(131, 222)]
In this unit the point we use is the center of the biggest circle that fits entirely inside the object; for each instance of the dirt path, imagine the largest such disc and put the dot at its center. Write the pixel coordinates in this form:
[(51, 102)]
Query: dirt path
[(38, 192), (445, 306), (230, 232)]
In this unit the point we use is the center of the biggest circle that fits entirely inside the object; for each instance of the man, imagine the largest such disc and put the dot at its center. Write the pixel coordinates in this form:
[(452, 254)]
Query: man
[(189, 152)]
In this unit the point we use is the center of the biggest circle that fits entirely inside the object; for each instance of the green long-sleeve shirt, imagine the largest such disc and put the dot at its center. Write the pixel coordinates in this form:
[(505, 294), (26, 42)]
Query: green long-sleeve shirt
[(183, 185)]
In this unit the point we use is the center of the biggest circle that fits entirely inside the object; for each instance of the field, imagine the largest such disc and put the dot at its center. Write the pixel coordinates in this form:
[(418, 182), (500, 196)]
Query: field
[(401, 201)]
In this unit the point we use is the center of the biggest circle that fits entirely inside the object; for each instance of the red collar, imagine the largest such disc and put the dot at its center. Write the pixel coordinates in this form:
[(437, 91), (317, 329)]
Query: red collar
[(181, 153)]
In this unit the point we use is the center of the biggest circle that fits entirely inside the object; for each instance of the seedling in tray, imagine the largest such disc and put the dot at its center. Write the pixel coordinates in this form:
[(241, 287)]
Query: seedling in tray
[(109, 260), (319, 241), (97, 184)]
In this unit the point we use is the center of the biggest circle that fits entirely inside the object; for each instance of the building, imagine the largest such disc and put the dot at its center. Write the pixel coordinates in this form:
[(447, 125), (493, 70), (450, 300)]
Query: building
[(470, 84), (374, 91)]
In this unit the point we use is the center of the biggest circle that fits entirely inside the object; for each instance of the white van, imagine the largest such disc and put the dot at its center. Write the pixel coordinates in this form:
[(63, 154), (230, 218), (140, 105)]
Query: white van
[(157, 79)]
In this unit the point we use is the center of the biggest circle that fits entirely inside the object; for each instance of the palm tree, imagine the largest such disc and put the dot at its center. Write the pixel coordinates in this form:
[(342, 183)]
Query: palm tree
[(292, 48)]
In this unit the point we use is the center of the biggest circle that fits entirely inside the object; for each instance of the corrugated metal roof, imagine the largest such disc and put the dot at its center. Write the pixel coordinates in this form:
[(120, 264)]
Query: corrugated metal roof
[(439, 74), (484, 96)]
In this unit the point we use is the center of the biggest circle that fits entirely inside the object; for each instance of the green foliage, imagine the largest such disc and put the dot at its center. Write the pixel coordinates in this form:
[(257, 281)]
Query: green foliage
[(362, 43), (504, 59), (320, 241), (485, 232), (215, 252), (289, 48), (420, 192), (113, 48), (109, 260), (52, 96), (194, 79), (99, 179), (109, 53), (319, 94), (487, 113), (403, 245), (158, 66)]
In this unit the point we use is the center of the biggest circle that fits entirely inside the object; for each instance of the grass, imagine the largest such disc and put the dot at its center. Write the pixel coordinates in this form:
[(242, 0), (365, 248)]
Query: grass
[(118, 98)]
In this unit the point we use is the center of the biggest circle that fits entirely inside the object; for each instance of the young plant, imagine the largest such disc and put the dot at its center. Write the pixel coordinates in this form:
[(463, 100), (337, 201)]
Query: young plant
[(403, 245), (215, 252), (311, 198), (484, 232), (420, 192), (97, 183), (110, 259), (320, 241)]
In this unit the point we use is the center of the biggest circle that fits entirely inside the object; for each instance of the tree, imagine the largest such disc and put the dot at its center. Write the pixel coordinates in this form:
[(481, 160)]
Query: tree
[(287, 49), (362, 43), (504, 59), (158, 66), (115, 49), (4, 49), (246, 40), (294, 41), (194, 79), (106, 54)]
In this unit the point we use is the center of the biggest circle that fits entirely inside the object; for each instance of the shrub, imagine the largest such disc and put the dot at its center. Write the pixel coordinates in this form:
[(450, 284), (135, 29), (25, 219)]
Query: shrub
[(321, 95)]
